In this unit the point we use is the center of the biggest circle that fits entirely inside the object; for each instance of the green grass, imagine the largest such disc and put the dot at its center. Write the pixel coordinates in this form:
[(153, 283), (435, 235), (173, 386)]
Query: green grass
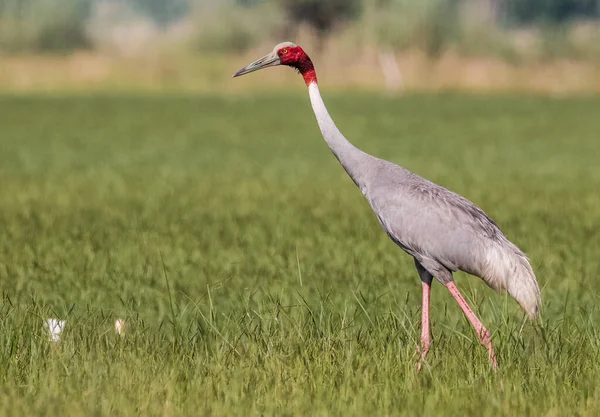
[(286, 298)]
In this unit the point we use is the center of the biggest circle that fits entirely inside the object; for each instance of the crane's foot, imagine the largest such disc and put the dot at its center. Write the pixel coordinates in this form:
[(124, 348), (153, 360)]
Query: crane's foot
[(422, 351), (485, 338), (420, 364)]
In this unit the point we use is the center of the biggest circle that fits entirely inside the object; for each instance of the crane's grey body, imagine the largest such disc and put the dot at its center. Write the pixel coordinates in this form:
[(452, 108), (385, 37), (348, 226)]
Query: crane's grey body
[(442, 230)]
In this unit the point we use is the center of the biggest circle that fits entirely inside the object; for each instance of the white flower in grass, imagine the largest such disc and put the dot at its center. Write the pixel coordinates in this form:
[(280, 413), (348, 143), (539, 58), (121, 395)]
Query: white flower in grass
[(120, 327), (55, 328)]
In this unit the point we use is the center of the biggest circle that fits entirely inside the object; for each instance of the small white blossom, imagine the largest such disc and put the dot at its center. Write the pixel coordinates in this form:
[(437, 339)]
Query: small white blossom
[(120, 327), (55, 328)]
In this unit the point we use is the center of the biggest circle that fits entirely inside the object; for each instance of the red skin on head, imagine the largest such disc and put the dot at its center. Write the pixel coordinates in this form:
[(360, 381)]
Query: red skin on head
[(296, 57)]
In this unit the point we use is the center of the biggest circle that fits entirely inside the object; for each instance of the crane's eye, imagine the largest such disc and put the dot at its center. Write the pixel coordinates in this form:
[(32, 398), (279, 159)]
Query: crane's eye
[(284, 51)]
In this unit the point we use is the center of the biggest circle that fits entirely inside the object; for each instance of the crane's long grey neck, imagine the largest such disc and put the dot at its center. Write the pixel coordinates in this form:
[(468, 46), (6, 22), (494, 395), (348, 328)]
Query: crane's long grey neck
[(349, 155)]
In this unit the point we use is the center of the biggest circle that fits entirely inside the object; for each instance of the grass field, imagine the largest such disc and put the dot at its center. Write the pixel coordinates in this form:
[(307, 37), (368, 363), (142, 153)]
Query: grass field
[(252, 274)]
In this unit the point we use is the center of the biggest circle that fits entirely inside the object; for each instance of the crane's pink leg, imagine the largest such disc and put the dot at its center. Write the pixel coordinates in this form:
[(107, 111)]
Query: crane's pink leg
[(425, 334), (483, 334)]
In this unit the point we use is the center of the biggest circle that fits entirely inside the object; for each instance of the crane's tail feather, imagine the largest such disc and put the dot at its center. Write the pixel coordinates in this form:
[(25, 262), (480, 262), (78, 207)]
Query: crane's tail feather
[(507, 268)]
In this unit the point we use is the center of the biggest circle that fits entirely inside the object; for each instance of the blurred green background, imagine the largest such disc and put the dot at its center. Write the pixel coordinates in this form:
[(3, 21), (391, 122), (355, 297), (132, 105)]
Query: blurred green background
[(549, 45)]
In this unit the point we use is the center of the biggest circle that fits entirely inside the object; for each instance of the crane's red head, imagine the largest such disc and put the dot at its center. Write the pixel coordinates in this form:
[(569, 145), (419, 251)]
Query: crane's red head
[(286, 53)]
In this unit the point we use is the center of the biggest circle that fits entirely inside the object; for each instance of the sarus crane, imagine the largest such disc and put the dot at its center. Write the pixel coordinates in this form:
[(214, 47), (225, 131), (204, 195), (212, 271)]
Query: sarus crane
[(443, 231)]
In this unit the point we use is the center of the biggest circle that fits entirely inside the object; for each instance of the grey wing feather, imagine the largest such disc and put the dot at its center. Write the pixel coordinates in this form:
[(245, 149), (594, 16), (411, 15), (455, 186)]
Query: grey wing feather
[(430, 222)]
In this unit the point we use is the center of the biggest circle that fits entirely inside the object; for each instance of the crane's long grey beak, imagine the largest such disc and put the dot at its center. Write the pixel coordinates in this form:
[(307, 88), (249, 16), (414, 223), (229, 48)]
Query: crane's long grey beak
[(268, 60)]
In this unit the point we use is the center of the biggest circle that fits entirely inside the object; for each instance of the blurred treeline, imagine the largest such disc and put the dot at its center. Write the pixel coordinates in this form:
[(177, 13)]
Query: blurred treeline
[(507, 28)]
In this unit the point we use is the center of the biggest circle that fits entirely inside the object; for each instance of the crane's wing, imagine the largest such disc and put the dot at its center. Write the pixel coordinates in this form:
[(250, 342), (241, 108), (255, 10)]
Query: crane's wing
[(429, 221)]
